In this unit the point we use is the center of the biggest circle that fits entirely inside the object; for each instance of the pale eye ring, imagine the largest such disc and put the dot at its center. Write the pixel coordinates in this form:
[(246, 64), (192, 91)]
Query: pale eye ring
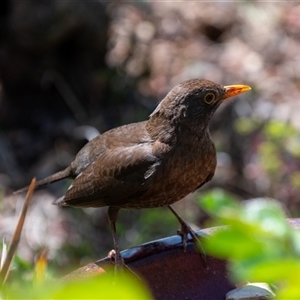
[(209, 98)]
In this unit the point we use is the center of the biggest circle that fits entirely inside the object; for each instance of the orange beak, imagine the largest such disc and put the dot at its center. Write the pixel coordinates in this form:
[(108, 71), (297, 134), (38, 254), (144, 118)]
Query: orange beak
[(233, 90)]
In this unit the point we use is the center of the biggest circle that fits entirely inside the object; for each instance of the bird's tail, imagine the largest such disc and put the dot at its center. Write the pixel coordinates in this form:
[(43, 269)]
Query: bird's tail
[(52, 178)]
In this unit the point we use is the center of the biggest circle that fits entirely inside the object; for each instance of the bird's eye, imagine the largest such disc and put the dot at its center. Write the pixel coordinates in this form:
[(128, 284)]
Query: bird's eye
[(209, 98)]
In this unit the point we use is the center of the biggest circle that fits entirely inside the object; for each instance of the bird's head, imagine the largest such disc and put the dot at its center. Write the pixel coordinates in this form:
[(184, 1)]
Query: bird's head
[(192, 103)]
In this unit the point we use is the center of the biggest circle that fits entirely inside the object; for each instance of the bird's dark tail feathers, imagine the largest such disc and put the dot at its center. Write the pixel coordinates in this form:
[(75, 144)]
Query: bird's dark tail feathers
[(50, 179)]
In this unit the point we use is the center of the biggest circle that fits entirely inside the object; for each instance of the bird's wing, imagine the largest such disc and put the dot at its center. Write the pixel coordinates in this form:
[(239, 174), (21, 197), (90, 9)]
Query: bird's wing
[(115, 178)]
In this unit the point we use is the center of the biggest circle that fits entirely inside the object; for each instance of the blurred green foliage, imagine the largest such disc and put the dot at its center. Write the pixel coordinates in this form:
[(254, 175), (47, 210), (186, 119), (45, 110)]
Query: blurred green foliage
[(105, 286), (23, 284), (257, 240)]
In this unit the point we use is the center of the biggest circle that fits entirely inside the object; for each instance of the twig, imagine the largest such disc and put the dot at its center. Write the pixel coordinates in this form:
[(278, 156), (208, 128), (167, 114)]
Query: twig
[(16, 236)]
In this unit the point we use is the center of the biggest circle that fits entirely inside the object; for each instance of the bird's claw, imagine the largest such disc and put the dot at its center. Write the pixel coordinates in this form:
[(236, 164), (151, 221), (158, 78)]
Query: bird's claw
[(184, 237), (120, 266), (184, 231), (117, 260)]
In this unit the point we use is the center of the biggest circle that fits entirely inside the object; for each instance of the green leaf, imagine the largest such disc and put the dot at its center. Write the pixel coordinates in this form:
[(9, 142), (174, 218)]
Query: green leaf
[(105, 286), (258, 243), (217, 200), (229, 244)]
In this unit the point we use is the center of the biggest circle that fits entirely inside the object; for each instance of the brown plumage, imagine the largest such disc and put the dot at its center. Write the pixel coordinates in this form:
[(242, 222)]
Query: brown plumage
[(152, 163)]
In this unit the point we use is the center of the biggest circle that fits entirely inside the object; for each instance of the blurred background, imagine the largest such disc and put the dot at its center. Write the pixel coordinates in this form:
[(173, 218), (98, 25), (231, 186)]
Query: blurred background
[(70, 70)]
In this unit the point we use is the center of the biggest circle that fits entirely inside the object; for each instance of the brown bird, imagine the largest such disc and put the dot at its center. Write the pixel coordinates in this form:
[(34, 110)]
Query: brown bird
[(152, 163)]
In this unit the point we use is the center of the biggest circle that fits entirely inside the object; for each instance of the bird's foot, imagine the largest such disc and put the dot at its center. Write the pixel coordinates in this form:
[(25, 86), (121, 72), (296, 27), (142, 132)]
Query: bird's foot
[(117, 260), (120, 266), (185, 230)]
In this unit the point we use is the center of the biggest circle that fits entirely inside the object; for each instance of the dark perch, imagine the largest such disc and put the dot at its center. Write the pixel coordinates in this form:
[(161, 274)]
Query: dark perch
[(169, 272)]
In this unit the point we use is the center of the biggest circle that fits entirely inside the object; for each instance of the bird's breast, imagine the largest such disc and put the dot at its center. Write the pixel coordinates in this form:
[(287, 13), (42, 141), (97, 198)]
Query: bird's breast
[(181, 171)]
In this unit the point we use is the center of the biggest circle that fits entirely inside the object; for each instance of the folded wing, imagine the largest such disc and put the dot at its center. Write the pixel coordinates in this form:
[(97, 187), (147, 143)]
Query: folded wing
[(117, 176)]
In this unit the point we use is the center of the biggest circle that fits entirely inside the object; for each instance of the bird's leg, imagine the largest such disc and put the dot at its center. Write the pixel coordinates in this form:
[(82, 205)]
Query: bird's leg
[(119, 262), (112, 216), (185, 230)]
